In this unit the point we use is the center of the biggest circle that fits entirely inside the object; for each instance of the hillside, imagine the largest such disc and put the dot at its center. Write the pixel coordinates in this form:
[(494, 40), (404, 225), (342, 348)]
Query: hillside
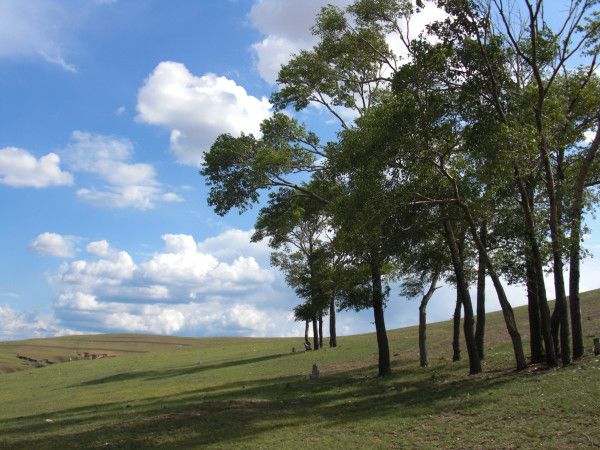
[(151, 391)]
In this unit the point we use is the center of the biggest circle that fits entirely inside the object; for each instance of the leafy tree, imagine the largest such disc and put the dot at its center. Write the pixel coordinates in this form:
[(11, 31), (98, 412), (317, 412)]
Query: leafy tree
[(295, 227)]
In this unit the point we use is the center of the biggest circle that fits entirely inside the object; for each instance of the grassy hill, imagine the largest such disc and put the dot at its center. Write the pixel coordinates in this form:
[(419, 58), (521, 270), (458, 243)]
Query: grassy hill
[(166, 392)]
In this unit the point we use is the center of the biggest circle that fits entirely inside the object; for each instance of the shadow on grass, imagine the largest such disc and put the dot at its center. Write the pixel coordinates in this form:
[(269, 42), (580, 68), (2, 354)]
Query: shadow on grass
[(229, 412), (169, 373)]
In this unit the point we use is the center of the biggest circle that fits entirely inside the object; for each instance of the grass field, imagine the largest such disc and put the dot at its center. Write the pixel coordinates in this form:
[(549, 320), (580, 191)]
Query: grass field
[(255, 393)]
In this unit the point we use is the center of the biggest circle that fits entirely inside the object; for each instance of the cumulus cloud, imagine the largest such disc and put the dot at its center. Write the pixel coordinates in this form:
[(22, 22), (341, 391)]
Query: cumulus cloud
[(53, 244), (182, 264), (19, 168), (234, 243), (182, 268), (196, 109), (98, 248), (172, 197), (286, 25), (110, 271), (126, 184), (219, 286), (183, 289), (22, 325)]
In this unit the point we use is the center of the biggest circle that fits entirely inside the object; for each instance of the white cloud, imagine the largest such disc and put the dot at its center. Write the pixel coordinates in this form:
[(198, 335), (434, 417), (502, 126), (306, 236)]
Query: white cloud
[(589, 136), (172, 197), (115, 269), (53, 244), (19, 168), (140, 197), (219, 286), (286, 25), (34, 28), (234, 243), (183, 289), (183, 264), (98, 248), (127, 184), (77, 300), (179, 273), (272, 53), (120, 111), (43, 29), (197, 109), (23, 325)]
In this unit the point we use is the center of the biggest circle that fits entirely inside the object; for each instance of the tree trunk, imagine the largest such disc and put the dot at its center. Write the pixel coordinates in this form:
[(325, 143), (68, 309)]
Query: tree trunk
[(321, 330), (313, 295), (423, 321), (480, 326), (306, 340), (526, 192), (555, 326), (507, 311), (461, 282), (332, 331), (574, 301), (315, 333), (575, 245), (385, 367), (555, 239), (535, 330), (456, 327)]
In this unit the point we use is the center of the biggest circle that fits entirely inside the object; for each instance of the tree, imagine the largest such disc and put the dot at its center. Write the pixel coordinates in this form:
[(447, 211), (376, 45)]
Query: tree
[(294, 227), (540, 97)]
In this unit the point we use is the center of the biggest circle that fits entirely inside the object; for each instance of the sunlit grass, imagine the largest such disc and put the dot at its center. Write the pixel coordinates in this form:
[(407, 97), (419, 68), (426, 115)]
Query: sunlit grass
[(173, 392)]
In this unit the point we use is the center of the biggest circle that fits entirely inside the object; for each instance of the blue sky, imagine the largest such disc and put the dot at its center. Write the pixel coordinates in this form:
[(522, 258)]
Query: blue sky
[(107, 106)]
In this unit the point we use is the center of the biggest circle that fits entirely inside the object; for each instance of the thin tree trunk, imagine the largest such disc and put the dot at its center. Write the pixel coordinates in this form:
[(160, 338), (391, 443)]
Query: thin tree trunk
[(423, 321), (306, 340), (553, 200), (574, 300), (385, 367), (507, 311), (556, 244), (555, 239), (535, 329), (315, 333), (480, 326), (332, 331), (575, 245), (456, 327), (526, 192), (461, 282), (555, 326), (321, 330), (313, 297)]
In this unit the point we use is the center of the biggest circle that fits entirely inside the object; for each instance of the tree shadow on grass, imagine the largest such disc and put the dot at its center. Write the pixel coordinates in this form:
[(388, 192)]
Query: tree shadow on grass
[(231, 412), (169, 373)]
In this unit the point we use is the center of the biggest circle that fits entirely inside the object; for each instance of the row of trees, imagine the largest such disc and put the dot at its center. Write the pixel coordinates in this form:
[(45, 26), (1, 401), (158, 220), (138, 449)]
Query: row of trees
[(468, 151)]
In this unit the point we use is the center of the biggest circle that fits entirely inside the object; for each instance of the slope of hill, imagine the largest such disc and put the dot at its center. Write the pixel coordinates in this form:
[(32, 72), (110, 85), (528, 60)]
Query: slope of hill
[(179, 392)]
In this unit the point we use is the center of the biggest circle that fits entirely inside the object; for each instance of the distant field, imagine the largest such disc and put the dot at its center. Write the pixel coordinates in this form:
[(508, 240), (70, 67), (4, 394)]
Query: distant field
[(171, 392)]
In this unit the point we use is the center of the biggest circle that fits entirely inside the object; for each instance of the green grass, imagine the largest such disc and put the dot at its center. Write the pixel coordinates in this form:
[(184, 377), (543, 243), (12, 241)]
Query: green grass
[(255, 393)]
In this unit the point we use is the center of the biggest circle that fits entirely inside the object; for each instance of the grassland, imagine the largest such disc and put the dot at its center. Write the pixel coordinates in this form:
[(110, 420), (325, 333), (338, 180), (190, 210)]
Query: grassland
[(256, 393)]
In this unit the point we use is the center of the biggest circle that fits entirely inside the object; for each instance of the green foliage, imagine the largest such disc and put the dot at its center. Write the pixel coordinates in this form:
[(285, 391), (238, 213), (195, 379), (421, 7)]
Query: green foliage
[(237, 169)]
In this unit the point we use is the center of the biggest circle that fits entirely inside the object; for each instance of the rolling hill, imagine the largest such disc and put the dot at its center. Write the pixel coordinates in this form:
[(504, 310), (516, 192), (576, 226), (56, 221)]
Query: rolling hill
[(126, 391)]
